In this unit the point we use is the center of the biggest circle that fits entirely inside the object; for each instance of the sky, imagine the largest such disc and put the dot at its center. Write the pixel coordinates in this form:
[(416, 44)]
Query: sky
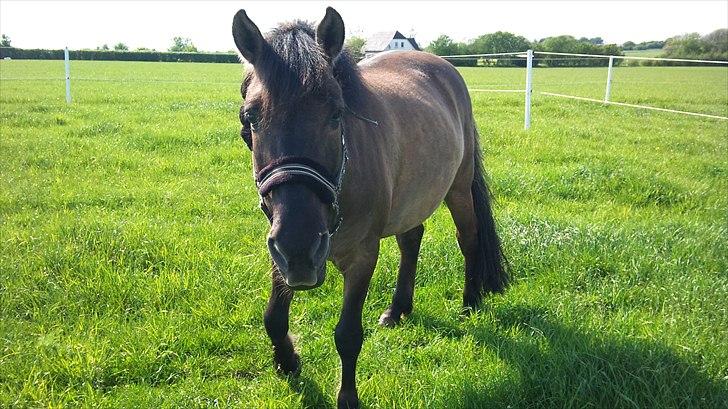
[(153, 24)]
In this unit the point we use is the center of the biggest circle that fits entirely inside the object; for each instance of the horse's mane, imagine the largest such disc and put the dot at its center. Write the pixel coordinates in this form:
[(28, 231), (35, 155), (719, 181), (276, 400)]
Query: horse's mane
[(294, 64)]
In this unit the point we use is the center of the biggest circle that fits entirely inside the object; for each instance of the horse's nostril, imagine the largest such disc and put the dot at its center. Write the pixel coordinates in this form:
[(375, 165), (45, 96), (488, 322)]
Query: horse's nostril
[(320, 249), (299, 255), (279, 257), (314, 247)]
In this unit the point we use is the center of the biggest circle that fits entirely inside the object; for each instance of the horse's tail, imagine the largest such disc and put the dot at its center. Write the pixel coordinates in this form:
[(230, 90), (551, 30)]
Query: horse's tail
[(492, 264)]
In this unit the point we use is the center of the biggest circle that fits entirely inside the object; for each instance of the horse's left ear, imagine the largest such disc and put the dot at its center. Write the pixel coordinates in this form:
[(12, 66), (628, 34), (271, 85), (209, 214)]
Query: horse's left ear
[(330, 33)]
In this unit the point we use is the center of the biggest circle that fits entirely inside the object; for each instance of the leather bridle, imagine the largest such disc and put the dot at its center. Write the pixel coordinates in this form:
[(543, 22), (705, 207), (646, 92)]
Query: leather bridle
[(296, 169)]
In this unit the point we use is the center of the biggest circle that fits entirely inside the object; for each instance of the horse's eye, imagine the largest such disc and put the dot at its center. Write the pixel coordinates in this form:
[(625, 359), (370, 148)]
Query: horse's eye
[(252, 117), (336, 116)]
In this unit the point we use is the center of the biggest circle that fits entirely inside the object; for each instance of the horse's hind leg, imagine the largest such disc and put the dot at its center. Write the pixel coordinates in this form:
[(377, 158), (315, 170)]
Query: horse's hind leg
[(409, 247), (460, 202)]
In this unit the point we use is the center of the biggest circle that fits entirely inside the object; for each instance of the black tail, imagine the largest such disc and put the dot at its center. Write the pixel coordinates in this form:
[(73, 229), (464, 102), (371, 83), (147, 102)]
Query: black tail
[(492, 265)]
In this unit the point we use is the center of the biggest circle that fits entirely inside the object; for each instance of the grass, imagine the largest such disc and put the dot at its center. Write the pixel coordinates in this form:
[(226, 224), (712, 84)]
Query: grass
[(651, 52), (133, 269)]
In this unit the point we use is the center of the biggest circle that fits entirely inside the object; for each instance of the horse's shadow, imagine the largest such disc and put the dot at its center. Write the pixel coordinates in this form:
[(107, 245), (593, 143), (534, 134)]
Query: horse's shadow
[(560, 366), (310, 391)]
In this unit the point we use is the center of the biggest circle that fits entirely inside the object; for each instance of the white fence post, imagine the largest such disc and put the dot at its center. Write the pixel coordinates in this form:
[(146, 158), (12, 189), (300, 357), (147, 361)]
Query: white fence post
[(609, 80), (68, 77), (529, 88)]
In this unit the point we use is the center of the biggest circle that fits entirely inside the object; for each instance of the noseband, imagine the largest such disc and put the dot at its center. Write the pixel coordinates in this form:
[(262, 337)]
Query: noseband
[(296, 169)]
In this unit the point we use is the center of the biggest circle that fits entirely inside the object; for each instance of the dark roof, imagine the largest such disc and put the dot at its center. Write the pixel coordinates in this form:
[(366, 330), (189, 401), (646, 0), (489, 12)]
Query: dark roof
[(379, 41), (414, 43)]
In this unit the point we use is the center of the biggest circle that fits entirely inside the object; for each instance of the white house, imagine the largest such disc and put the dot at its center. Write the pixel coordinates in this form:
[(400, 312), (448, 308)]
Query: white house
[(388, 41)]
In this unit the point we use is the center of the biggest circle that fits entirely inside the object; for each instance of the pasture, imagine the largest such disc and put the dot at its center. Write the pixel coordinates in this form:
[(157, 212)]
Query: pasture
[(650, 52), (134, 271)]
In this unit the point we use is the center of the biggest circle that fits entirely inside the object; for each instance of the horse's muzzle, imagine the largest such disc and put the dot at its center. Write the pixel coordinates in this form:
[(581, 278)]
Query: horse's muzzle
[(320, 277), (302, 267)]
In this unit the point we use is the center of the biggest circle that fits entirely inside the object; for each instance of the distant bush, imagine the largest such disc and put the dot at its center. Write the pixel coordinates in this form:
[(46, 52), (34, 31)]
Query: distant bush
[(463, 62), (645, 45), (182, 45), (713, 46), (102, 55), (569, 44)]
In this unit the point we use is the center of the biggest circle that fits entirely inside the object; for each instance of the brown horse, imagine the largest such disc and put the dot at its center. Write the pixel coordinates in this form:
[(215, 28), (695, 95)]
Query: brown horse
[(347, 154)]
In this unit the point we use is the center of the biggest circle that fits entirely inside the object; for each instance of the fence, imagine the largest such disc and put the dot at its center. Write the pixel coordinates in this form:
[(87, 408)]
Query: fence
[(530, 59), (528, 90)]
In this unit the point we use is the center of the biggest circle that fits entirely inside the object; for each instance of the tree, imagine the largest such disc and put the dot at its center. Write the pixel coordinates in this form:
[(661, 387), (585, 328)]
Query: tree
[(104, 47), (597, 41), (569, 44), (713, 46), (182, 45), (121, 47), (444, 45), (355, 45), (498, 42), (687, 45), (717, 41), (5, 42), (628, 45)]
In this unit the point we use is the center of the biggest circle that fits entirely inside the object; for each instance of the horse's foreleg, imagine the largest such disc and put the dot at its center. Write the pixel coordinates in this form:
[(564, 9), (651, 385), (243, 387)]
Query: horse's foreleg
[(349, 334), (275, 319), (409, 247)]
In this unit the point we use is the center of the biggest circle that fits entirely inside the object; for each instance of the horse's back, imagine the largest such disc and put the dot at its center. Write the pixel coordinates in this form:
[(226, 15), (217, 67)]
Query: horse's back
[(421, 72), (427, 123)]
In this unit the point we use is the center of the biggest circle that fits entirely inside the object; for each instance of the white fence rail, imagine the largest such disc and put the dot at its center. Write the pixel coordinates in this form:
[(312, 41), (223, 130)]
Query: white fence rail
[(528, 91)]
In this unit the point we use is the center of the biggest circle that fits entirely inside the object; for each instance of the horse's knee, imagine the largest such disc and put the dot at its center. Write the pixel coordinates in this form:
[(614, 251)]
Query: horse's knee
[(348, 338), (276, 324)]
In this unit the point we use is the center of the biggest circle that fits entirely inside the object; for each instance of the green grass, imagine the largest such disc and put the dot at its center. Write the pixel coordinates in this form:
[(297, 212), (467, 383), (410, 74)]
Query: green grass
[(134, 272), (652, 52)]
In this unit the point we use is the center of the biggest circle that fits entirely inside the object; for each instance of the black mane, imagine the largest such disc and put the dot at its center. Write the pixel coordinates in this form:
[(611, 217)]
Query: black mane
[(294, 64)]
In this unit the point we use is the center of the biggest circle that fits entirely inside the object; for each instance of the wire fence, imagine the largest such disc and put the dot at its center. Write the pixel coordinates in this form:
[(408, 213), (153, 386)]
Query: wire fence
[(639, 89), (549, 88)]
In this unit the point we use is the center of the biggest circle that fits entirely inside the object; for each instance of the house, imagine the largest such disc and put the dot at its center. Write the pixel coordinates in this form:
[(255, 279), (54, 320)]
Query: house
[(388, 41)]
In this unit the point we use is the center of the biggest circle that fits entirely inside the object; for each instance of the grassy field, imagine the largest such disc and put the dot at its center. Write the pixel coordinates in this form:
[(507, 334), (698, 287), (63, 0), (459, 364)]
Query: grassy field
[(134, 272), (652, 52)]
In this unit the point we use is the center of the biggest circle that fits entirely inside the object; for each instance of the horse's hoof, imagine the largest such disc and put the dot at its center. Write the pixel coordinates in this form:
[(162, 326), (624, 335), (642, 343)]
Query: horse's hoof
[(289, 367), (389, 320), (347, 401), (471, 304)]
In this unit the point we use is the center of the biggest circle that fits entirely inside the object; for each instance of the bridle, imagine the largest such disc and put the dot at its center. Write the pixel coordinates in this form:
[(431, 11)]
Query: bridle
[(298, 169), (290, 169)]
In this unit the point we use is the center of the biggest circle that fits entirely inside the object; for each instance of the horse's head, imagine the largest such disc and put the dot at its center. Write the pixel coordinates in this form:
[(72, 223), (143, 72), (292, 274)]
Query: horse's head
[(292, 122)]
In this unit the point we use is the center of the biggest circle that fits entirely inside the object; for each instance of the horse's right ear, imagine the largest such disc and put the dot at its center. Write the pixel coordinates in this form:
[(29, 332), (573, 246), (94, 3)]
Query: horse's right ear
[(247, 37)]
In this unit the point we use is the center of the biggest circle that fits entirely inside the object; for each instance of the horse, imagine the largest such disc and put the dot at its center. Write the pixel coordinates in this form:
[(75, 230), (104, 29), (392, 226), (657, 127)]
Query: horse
[(345, 154)]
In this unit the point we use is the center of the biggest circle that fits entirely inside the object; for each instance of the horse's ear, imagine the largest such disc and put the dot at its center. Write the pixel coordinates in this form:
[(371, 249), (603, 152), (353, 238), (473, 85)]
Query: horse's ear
[(330, 33), (247, 37)]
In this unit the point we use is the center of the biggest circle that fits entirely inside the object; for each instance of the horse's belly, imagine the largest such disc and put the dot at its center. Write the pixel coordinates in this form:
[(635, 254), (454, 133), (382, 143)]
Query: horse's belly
[(421, 189)]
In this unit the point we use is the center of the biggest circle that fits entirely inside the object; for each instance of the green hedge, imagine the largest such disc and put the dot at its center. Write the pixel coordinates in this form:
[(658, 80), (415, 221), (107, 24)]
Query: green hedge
[(463, 62), (39, 54)]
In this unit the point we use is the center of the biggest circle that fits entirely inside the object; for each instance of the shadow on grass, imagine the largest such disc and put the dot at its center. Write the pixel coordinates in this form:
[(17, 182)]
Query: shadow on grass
[(562, 367), (310, 391)]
